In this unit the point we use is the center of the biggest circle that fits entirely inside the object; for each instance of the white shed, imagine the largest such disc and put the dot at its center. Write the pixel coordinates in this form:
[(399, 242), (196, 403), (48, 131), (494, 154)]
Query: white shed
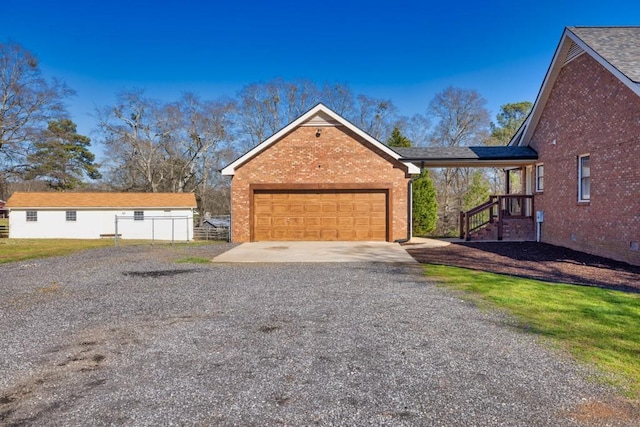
[(159, 216)]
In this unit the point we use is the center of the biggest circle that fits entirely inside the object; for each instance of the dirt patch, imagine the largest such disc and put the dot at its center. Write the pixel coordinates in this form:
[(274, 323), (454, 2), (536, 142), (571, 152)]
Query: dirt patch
[(611, 413), (156, 274), (534, 260)]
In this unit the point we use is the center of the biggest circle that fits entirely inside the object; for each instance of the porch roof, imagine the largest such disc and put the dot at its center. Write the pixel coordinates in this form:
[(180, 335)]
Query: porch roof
[(500, 156)]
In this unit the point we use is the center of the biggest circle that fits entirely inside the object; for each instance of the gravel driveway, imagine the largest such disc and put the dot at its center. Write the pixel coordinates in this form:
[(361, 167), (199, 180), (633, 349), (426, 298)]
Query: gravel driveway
[(125, 336)]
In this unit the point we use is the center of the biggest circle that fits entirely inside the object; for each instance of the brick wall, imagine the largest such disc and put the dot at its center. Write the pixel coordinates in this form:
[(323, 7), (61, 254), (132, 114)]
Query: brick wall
[(337, 156), (591, 112)]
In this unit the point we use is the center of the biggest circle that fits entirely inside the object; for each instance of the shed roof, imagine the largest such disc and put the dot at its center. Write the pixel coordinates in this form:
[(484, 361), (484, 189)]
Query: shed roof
[(468, 156), (101, 200)]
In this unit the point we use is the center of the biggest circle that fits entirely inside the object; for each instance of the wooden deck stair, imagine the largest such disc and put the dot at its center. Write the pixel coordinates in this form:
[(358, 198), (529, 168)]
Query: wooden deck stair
[(507, 217)]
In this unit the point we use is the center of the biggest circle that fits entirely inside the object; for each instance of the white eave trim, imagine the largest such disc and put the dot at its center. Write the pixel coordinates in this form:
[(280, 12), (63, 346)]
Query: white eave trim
[(557, 63), (320, 108)]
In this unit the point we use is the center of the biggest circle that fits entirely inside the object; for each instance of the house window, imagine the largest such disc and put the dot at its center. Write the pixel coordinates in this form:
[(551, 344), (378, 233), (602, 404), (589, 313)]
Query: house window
[(539, 178), (70, 215), (138, 215), (584, 178), (32, 216)]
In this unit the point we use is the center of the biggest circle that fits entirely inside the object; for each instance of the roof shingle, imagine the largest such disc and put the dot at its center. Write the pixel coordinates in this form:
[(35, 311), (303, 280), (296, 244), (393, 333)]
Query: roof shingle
[(620, 46), (101, 200)]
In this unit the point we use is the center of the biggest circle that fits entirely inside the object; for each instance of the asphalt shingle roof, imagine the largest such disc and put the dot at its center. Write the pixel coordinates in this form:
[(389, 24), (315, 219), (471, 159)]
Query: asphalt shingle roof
[(467, 153), (101, 200), (620, 46)]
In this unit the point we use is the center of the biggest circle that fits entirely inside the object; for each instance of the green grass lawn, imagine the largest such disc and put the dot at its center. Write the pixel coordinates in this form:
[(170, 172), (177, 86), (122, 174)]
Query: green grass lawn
[(12, 250), (595, 325)]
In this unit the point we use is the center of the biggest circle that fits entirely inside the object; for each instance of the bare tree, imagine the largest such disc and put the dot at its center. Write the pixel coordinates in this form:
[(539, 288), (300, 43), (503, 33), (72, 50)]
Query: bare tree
[(265, 108), (27, 102), (462, 119), (339, 97), (174, 147), (377, 117), (134, 133)]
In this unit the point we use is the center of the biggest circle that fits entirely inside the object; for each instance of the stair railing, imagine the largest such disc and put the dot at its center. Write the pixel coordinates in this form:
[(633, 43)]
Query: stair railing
[(494, 210), (478, 217)]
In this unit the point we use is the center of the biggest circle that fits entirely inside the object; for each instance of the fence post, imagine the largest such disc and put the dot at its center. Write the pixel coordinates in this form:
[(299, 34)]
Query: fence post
[(461, 225), (115, 236)]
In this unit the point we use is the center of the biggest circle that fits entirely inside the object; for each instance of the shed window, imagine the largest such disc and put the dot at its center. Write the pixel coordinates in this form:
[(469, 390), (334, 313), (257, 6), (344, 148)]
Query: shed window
[(70, 216), (138, 215), (32, 216), (540, 177), (584, 178)]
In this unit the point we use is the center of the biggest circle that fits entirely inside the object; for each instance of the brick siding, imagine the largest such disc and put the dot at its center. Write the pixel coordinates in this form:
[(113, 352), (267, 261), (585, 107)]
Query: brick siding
[(590, 111), (337, 156)]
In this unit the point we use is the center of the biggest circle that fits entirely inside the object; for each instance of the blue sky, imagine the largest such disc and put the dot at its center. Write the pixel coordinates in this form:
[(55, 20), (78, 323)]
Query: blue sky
[(403, 50)]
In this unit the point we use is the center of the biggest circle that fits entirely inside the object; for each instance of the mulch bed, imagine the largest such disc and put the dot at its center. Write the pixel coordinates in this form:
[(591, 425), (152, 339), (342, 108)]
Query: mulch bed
[(534, 260)]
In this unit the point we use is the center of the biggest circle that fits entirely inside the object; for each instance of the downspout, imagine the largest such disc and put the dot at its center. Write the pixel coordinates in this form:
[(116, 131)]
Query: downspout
[(410, 208), (230, 237)]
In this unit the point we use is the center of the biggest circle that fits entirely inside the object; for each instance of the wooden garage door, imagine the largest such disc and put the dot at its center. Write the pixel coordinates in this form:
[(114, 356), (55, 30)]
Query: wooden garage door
[(320, 215)]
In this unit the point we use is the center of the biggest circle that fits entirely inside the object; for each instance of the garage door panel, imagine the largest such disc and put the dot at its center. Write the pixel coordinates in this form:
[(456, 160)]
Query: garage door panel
[(329, 222), (264, 221), (329, 208), (345, 221), (378, 235), (263, 207), (345, 207), (362, 208), (320, 215), (313, 221), (346, 234), (313, 208), (280, 235), (279, 221), (296, 221), (329, 235), (361, 222), (280, 208), (312, 234), (377, 222)]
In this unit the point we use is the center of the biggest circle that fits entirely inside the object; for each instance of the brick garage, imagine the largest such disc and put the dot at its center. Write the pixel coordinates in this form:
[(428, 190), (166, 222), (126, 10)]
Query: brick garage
[(320, 178), (589, 107)]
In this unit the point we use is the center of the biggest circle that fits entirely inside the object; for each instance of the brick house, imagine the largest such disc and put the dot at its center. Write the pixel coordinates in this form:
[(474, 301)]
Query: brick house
[(585, 127), (320, 178)]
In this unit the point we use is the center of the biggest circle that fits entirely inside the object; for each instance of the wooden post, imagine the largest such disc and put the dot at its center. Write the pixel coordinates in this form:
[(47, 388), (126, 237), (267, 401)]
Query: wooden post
[(462, 215), (500, 224)]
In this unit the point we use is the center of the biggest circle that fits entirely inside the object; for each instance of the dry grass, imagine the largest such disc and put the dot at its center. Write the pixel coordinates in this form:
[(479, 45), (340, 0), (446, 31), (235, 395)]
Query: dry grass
[(12, 250)]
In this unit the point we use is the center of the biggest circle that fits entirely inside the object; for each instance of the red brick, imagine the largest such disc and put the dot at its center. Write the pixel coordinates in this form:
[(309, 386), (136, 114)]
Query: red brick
[(336, 157), (590, 111)]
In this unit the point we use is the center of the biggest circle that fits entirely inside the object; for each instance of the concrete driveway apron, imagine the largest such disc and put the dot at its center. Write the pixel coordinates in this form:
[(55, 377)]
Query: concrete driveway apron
[(273, 252)]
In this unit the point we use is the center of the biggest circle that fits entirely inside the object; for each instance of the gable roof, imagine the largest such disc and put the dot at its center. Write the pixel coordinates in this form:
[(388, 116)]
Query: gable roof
[(616, 48), (101, 200), (318, 116)]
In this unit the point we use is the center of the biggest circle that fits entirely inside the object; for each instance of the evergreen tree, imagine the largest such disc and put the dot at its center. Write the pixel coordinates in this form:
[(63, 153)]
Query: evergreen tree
[(62, 157), (397, 139), (509, 120), (425, 205)]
